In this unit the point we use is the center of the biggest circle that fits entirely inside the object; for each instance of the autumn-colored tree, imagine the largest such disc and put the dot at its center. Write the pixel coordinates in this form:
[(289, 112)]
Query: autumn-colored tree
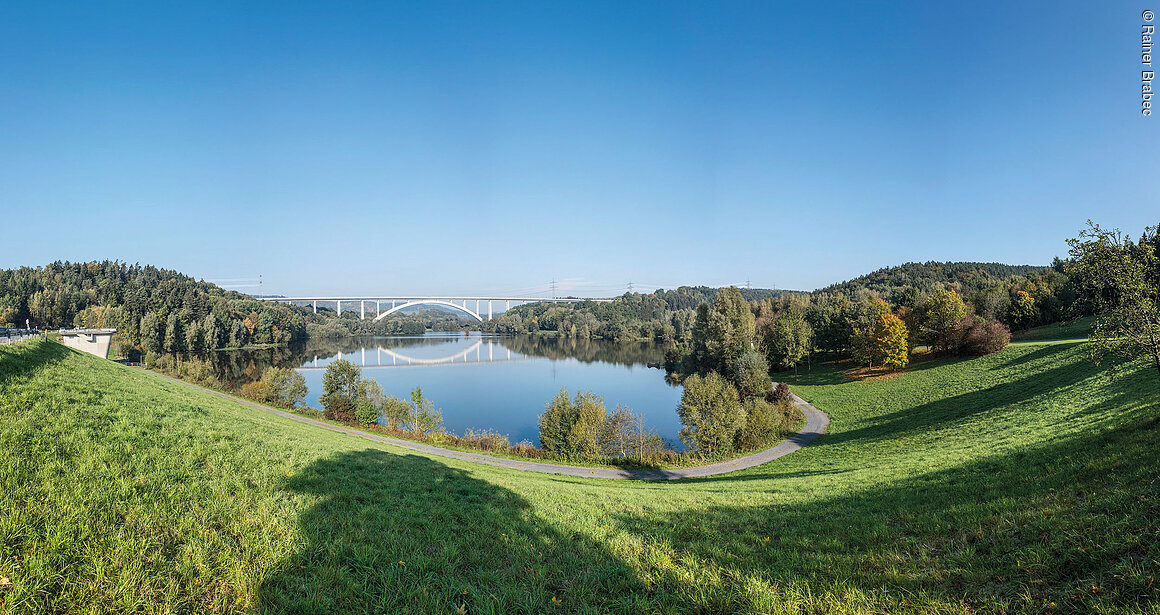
[(1022, 311), (250, 323), (890, 342), (863, 319)]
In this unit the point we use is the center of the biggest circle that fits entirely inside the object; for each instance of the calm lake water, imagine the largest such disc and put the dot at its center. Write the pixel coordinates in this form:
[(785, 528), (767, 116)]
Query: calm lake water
[(481, 381)]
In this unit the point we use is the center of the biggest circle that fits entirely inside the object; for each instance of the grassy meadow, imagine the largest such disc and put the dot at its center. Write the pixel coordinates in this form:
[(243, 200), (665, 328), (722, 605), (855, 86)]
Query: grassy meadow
[(1068, 329), (1022, 482)]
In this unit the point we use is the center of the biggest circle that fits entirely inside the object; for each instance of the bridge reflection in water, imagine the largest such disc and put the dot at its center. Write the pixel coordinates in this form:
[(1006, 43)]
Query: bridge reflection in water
[(482, 351)]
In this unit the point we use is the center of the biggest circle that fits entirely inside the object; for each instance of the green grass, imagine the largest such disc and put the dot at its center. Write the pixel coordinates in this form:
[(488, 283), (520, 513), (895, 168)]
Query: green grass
[(1019, 482), (1068, 329)]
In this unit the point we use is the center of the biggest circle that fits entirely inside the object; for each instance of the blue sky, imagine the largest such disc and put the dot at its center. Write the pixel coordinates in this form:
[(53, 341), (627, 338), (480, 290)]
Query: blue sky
[(349, 148)]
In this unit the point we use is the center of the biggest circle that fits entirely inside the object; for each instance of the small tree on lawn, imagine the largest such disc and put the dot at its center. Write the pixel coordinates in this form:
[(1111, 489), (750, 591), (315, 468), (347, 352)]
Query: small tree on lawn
[(1120, 280), (890, 342)]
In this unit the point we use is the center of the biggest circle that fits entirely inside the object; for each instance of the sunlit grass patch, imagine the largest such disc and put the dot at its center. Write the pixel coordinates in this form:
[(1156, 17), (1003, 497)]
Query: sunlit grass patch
[(1020, 482)]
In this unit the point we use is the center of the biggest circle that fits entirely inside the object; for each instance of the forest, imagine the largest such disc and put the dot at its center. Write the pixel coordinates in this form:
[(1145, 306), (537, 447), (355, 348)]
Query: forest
[(163, 311)]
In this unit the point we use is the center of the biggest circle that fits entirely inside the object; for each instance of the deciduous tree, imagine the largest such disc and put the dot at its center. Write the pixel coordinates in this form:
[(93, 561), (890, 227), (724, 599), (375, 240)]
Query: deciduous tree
[(1121, 279), (890, 342)]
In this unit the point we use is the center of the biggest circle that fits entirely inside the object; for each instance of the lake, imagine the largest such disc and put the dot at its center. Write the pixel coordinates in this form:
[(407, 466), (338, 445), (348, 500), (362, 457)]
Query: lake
[(487, 382)]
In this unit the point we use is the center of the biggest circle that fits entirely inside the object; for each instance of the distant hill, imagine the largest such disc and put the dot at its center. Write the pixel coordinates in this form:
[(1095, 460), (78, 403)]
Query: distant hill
[(931, 275)]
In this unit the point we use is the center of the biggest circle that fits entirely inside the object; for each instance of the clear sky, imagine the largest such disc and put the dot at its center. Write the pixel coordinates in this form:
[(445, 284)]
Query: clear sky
[(349, 148)]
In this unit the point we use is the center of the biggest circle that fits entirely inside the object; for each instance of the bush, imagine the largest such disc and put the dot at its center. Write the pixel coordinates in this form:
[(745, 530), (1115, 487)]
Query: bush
[(367, 412), (395, 412), (256, 391), (574, 427), (487, 440), (424, 418), (586, 436), (779, 393), (983, 338), (752, 377), (762, 422), (340, 390), (677, 359), (556, 423), (284, 386), (766, 422), (711, 414)]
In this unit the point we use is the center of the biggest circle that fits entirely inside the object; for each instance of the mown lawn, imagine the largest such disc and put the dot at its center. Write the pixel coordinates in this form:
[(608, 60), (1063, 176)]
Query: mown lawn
[(1020, 482), (1068, 329)]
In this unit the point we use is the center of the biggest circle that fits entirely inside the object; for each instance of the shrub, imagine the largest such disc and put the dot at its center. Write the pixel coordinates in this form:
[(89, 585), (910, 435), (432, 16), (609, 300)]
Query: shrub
[(984, 338), (752, 377), (256, 391), (366, 412), (780, 392), (285, 386), (487, 440), (395, 412), (710, 413), (762, 423), (340, 390), (556, 423), (574, 427), (586, 435), (424, 418)]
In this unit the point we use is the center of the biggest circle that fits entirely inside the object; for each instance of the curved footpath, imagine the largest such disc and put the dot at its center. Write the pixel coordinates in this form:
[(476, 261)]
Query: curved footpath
[(816, 423)]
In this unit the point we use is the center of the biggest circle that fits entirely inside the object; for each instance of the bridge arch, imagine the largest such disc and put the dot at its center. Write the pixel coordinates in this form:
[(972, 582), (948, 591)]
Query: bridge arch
[(428, 302)]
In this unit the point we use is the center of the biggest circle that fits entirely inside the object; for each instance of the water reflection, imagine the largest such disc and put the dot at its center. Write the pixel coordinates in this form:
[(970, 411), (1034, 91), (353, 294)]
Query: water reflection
[(481, 381)]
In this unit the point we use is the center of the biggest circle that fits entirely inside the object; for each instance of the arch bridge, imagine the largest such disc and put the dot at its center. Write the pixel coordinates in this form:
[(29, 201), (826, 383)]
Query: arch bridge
[(397, 303)]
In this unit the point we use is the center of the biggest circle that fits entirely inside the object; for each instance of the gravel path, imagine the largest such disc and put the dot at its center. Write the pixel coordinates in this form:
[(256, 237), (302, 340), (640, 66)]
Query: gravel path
[(816, 422)]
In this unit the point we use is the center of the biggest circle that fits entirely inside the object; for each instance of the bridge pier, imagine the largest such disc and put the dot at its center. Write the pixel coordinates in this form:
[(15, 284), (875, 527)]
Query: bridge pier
[(378, 308), (339, 305), (489, 309), (315, 306), (362, 310)]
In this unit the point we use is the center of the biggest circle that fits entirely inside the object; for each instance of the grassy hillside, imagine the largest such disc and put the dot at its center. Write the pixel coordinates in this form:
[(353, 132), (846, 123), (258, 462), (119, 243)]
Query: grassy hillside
[(1068, 329), (1019, 482)]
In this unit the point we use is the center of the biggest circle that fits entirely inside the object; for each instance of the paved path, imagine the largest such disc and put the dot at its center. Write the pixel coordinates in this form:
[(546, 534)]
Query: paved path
[(816, 422)]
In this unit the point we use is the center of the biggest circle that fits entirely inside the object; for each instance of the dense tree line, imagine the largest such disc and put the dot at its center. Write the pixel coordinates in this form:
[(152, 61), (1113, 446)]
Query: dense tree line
[(663, 315), (891, 283), (327, 323), (153, 309)]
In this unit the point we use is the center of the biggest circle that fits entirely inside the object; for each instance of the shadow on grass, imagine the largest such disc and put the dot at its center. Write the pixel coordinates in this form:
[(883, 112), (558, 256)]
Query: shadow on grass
[(952, 410), (765, 476), (1072, 523), (404, 534), (839, 372), (19, 360)]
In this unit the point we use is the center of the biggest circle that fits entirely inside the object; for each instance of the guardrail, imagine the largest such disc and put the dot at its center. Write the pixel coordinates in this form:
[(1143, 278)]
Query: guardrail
[(12, 336)]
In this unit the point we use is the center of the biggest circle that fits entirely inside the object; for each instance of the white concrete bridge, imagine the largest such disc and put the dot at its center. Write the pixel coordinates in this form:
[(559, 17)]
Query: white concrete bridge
[(462, 304)]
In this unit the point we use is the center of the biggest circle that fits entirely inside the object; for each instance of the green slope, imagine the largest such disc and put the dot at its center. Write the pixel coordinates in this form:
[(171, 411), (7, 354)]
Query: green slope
[(1020, 482)]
